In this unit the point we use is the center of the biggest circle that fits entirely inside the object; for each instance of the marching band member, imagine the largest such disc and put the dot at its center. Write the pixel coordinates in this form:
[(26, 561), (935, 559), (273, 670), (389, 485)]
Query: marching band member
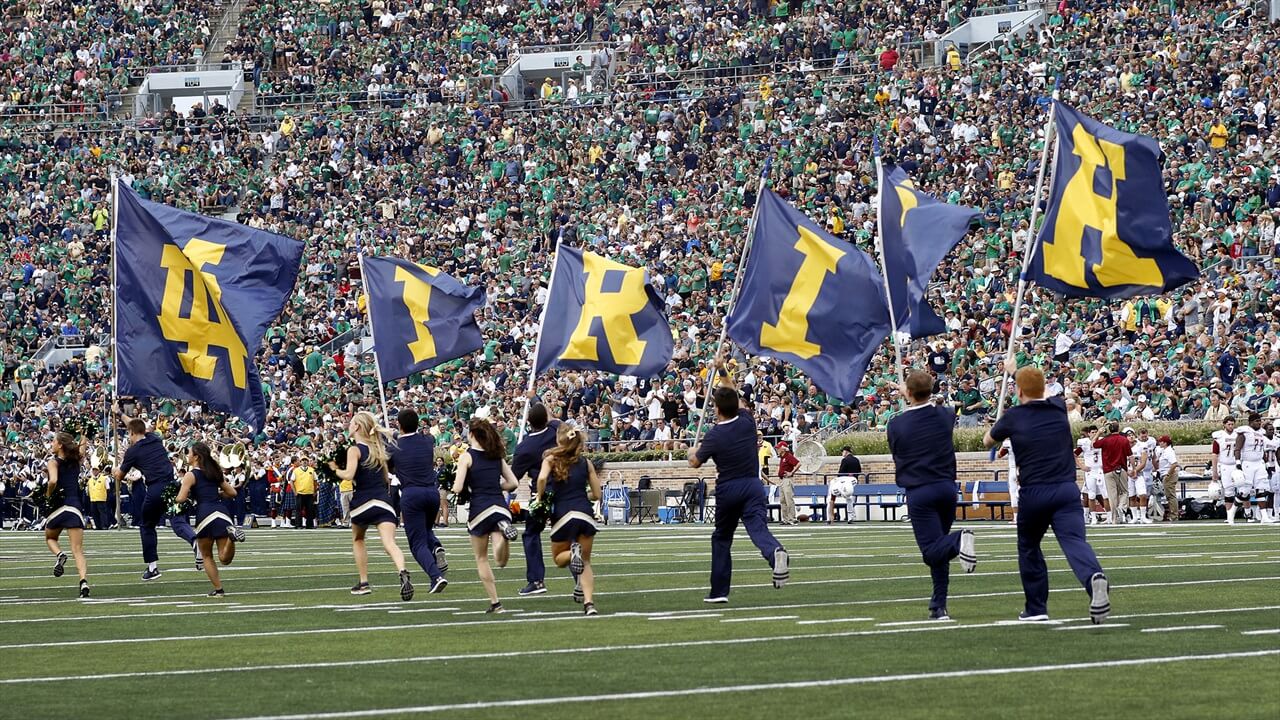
[(206, 481), (484, 470), (367, 466), (576, 487), (64, 476)]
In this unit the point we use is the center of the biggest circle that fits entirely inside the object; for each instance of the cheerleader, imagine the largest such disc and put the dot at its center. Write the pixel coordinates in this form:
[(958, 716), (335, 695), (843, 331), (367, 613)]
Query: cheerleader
[(367, 466), (575, 487), (64, 475), (483, 469), (209, 485)]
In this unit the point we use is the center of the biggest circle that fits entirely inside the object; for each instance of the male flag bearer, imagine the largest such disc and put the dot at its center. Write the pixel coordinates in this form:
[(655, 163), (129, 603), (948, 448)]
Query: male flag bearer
[(1041, 438), (413, 461), (731, 443), (527, 460), (146, 453), (924, 458)]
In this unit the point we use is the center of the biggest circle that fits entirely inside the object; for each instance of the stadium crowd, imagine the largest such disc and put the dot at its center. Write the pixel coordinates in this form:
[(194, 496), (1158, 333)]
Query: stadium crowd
[(384, 137)]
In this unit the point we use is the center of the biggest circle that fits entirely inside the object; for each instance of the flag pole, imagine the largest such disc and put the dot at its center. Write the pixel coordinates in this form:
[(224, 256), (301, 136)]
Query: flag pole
[(377, 365), (537, 344), (113, 390), (1029, 254), (733, 299), (884, 270)]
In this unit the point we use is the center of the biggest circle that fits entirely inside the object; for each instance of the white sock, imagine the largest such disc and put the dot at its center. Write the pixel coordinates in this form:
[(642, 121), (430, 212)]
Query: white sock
[(199, 556), (1231, 514), (1142, 512), (151, 567)]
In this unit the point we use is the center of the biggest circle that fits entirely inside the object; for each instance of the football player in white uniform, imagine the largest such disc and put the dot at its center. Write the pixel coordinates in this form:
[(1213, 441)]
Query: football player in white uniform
[(1251, 446), (1166, 462), (841, 487), (1223, 463), (1006, 451), (1273, 467), (1093, 496), (1138, 479)]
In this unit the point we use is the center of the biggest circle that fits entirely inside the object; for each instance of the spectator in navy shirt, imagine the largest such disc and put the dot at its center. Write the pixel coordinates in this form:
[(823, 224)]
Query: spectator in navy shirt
[(1040, 434), (147, 454), (527, 460), (731, 443), (412, 459), (924, 458)]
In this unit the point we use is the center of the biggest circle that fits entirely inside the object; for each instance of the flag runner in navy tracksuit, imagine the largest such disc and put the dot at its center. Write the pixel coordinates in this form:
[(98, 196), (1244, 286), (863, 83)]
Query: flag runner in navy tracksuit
[(1041, 437), (924, 458), (526, 461), (731, 443), (147, 453), (413, 461)]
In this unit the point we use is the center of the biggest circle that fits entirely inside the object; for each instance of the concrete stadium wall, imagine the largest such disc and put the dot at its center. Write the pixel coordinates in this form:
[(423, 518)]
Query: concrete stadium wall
[(673, 475)]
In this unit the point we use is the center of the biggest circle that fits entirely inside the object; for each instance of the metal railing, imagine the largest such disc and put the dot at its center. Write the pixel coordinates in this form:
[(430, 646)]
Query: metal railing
[(1007, 8)]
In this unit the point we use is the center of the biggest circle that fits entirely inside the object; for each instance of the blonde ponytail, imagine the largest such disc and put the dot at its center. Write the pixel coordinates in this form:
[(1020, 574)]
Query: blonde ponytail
[(377, 440)]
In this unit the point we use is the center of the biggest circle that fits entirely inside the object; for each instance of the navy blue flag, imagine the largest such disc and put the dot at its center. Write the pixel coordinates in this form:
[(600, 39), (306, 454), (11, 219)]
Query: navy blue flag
[(809, 298), (194, 297), (421, 317), (603, 315), (1107, 231), (916, 232)]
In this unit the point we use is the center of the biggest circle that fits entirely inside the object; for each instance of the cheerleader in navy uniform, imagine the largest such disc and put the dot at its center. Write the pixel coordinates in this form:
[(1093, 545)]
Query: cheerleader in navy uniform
[(370, 502), (206, 482), (64, 475), (483, 469), (575, 487)]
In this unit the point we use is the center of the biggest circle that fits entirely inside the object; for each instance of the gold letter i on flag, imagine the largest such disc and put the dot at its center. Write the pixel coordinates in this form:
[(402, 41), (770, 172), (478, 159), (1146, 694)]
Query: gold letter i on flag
[(417, 297), (789, 334)]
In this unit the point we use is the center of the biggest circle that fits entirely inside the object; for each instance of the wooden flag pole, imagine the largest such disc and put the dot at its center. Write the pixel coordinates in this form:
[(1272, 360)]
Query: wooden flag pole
[(1032, 244), (537, 345), (733, 299), (884, 272)]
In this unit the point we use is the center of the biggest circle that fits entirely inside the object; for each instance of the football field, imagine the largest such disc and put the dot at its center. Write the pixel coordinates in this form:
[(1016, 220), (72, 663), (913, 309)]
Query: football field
[(1194, 632)]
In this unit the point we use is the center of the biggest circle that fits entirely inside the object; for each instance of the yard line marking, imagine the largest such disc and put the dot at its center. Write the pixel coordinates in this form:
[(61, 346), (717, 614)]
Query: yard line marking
[(1181, 627), (834, 620), (759, 687), (759, 619), (1082, 627), (422, 610), (1273, 631), (701, 616), (674, 613), (803, 637), (905, 623)]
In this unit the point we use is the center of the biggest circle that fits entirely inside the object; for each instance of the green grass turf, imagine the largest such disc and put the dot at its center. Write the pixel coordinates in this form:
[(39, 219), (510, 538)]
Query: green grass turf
[(174, 647)]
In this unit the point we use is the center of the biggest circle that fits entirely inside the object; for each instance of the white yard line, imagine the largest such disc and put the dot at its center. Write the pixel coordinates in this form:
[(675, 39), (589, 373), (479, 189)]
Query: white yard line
[(767, 618), (762, 687), (1181, 627), (1272, 631), (835, 620)]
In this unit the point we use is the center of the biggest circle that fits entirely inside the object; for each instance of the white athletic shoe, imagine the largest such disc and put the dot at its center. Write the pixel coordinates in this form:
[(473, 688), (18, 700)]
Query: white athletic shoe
[(968, 558), (781, 569), (1100, 600)]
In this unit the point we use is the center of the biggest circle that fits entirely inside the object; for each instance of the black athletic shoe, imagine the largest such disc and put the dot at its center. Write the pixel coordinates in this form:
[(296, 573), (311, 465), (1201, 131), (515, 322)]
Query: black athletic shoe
[(508, 530), (84, 588), (716, 600), (576, 564), (150, 574), (533, 588), (438, 586), (236, 534), (217, 593), (1025, 616), (406, 587), (59, 567), (939, 614), (495, 609), (361, 588), (442, 560), (589, 609)]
